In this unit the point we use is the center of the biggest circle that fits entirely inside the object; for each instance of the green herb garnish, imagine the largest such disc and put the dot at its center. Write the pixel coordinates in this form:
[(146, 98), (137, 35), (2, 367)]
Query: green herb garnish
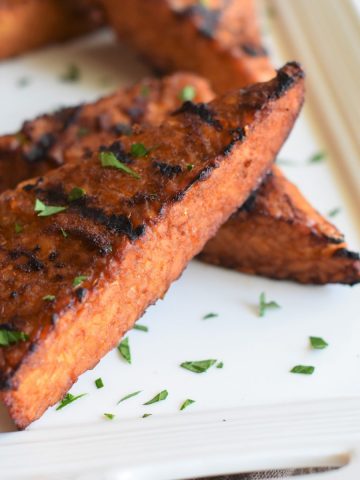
[(303, 369), (318, 343), (187, 93), (189, 167), (82, 132), (144, 90), (142, 328), (146, 415), (317, 157), (220, 365), (210, 315), (335, 211), (124, 349), (139, 150), (199, 366), (64, 234), (99, 383), (204, 3), (109, 416), (72, 74), (23, 82), (264, 305), (69, 398), (18, 228), (78, 280), (7, 337), (158, 398), (49, 298), (186, 403), (108, 159), (46, 210), (76, 193), (129, 396)]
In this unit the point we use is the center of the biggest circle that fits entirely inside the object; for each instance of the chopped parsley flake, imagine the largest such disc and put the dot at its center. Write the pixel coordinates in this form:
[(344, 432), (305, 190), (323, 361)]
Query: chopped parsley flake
[(18, 228), (78, 280), (69, 398), (82, 132), (99, 383), (317, 157), (158, 398), (72, 74), (187, 93), (186, 403), (23, 82), (46, 210), (210, 315), (109, 416), (144, 90), (142, 328), (318, 343), (303, 369), (49, 298), (108, 159), (199, 366), (220, 365), (264, 305), (204, 3), (189, 167), (7, 337), (139, 150), (130, 395), (76, 193), (146, 415), (124, 349), (335, 211), (64, 234)]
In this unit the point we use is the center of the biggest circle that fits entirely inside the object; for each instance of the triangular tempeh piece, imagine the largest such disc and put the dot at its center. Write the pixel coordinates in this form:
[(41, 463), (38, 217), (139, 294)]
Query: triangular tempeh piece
[(278, 234), (65, 136), (219, 39), (131, 231)]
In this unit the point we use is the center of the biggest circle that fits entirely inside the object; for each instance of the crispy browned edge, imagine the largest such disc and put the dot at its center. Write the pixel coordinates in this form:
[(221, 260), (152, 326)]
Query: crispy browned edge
[(220, 40), (29, 24), (278, 234), (144, 268)]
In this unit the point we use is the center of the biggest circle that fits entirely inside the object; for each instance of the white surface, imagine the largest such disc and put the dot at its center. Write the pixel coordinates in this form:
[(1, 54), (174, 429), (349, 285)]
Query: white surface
[(77, 442)]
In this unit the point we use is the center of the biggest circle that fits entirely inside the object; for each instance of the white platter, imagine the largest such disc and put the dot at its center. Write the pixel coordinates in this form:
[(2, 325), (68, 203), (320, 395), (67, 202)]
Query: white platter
[(252, 414)]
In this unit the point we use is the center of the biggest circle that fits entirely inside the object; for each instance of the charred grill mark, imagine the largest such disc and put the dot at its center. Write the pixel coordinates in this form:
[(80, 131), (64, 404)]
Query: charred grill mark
[(347, 254), (94, 240), (285, 81), (202, 110), (14, 294), (53, 255), (30, 186), (117, 149), (68, 116), (238, 136), (80, 293), (33, 264), (254, 50), (136, 112), (118, 224), (39, 151), (167, 170), (122, 129), (209, 18)]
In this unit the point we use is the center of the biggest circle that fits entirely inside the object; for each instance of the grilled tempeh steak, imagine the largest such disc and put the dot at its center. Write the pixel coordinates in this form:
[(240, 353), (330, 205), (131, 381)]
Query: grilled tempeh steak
[(129, 237), (29, 24), (268, 237), (278, 234), (219, 39)]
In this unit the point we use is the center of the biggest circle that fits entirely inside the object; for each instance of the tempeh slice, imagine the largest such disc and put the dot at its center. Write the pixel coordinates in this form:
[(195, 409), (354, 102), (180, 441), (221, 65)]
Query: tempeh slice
[(278, 234), (129, 236), (219, 39)]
